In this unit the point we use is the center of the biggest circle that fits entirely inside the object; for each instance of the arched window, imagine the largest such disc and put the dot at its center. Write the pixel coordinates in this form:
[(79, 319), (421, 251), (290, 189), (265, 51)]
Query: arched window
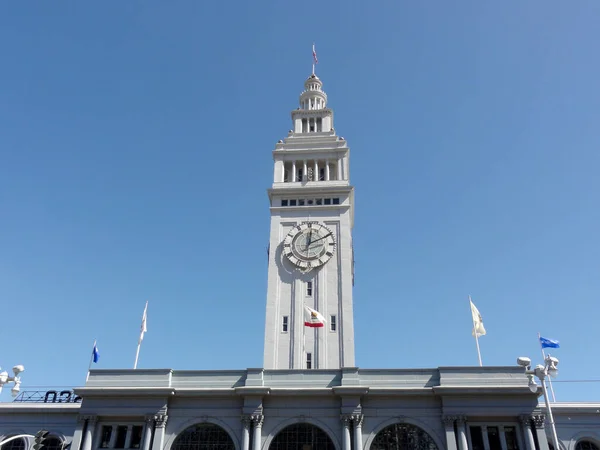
[(403, 436), (302, 436), (17, 444), (53, 443), (586, 445), (204, 436)]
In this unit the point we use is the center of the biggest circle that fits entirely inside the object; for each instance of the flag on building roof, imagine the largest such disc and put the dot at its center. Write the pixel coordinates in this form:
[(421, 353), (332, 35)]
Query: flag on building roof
[(315, 55), (313, 318), (549, 343), (95, 353), (478, 328), (143, 328)]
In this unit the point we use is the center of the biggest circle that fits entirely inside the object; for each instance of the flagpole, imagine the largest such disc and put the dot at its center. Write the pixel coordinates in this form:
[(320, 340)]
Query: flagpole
[(314, 53), (476, 334), (544, 358), (91, 361)]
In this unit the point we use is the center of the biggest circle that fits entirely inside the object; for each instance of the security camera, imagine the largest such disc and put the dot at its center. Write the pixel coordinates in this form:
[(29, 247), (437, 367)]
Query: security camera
[(18, 369), (552, 360), (524, 361)]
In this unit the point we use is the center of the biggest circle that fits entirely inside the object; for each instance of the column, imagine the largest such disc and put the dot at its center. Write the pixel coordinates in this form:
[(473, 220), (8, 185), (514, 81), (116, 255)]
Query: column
[(293, 170), (149, 420), (160, 423), (461, 426), (246, 420), (339, 169), (257, 422), (78, 434), (526, 425), (502, 437), (88, 435), (304, 171), (316, 172), (326, 170), (346, 420), (129, 436), (539, 421), (486, 439), (358, 421), (449, 429)]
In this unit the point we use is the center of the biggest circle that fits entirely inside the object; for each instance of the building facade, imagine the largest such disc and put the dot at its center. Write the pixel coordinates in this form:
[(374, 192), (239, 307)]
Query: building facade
[(309, 395)]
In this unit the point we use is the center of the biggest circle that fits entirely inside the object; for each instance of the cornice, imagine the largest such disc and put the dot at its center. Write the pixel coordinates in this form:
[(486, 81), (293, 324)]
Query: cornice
[(132, 391)]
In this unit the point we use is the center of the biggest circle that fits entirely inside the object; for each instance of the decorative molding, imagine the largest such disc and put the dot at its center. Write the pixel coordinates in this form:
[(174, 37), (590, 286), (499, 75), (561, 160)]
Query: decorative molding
[(257, 420), (161, 420), (246, 420), (539, 420), (358, 419), (460, 419), (149, 419), (90, 418), (448, 420), (346, 420), (525, 420)]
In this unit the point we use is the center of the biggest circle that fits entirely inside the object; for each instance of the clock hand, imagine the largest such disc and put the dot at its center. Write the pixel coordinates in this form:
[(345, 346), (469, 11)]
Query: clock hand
[(317, 240)]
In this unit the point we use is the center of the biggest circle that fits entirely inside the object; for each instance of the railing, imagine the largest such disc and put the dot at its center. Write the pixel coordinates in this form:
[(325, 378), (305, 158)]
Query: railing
[(52, 396)]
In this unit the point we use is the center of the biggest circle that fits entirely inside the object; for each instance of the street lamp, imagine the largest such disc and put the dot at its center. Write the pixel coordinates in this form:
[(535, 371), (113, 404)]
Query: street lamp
[(5, 379), (541, 372)]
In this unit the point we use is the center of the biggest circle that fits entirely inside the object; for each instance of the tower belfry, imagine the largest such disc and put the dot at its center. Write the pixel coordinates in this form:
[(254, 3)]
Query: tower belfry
[(311, 254)]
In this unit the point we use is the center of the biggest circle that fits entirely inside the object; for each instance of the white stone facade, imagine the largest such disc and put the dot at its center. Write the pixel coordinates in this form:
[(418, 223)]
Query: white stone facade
[(311, 183)]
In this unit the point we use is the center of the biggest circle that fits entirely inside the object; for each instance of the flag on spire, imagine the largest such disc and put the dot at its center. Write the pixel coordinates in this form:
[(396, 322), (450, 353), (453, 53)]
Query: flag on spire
[(478, 328), (315, 60), (313, 318)]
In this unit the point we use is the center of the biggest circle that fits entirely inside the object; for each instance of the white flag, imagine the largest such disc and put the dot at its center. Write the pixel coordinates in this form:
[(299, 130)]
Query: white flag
[(478, 328), (143, 328)]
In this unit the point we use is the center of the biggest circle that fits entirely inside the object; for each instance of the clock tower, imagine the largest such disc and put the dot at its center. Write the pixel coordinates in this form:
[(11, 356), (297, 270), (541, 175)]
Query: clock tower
[(311, 260)]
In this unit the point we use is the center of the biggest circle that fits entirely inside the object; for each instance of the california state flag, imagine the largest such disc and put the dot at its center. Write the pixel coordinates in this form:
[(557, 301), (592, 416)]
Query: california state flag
[(313, 318)]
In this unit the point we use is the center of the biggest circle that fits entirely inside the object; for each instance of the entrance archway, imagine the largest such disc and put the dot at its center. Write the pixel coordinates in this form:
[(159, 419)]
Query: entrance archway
[(203, 436), (302, 436), (403, 436)]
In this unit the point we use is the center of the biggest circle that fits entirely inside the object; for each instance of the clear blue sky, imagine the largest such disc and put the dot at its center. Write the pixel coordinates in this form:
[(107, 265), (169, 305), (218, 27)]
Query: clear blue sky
[(135, 154)]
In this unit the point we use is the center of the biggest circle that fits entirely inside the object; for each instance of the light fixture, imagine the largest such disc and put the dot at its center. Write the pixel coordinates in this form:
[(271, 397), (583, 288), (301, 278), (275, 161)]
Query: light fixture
[(5, 379), (541, 372)]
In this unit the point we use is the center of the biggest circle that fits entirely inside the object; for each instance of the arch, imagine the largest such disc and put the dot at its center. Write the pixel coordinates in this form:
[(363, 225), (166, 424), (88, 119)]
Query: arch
[(17, 444), (588, 435), (205, 435), (403, 434), (587, 444), (298, 435), (54, 442), (300, 419)]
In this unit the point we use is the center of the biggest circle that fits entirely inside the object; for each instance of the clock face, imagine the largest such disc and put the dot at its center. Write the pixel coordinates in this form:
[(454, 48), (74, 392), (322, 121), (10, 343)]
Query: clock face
[(309, 245)]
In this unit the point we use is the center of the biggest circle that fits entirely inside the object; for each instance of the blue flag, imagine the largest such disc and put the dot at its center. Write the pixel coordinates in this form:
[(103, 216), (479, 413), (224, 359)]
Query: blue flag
[(548, 343), (95, 354)]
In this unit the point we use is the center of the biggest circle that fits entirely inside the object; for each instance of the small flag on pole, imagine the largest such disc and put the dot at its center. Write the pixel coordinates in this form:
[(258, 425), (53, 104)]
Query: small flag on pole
[(143, 328), (315, 59), (549, 343), (478, 328), (312, 318), (95, 353)]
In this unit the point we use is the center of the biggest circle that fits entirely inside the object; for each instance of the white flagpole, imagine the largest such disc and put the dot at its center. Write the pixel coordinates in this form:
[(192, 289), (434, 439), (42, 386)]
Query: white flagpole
[(475, 333), (549, 378), (142, 331), (91, 361)]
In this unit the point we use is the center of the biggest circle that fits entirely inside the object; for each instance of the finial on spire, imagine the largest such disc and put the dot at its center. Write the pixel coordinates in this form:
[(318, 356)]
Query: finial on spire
[(315, 60)]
